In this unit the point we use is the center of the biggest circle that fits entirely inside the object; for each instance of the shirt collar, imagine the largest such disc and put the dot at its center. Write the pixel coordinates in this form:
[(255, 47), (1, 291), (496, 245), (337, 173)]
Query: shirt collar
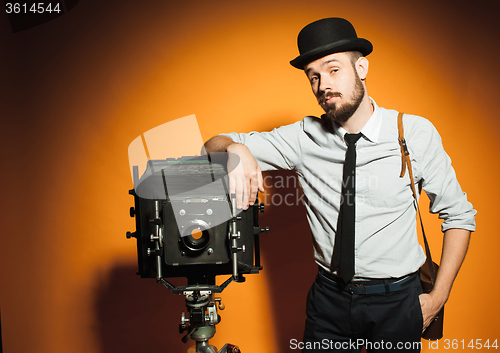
[(371, 130)]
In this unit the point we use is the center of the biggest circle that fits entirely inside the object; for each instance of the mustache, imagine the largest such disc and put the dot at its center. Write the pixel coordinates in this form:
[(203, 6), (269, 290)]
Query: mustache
[(325, 95)]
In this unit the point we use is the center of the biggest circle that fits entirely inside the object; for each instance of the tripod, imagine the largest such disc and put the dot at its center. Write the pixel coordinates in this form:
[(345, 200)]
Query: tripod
[(203, 316)]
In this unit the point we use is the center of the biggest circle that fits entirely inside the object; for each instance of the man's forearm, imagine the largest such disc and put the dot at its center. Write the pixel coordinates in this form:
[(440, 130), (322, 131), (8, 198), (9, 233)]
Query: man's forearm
[(455, 245), (218, 143)]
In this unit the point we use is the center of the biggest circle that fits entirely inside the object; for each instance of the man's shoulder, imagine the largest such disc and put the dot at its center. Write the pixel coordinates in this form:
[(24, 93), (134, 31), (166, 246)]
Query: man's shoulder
[(313, 125), (311, 122), (310, 125), (317, 130), (412, 124), (306, 121)]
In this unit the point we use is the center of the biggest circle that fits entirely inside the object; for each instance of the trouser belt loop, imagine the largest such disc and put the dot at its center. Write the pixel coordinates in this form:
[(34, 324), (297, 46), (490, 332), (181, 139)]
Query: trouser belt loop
[(387, 288), (357, 289)]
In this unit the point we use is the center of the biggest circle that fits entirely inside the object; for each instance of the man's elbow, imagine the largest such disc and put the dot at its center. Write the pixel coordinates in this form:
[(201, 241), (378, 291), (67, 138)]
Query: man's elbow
[(218, 143)]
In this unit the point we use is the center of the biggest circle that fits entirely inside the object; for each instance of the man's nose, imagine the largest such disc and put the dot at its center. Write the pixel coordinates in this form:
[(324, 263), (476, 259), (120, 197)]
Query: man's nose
[(325, 83)]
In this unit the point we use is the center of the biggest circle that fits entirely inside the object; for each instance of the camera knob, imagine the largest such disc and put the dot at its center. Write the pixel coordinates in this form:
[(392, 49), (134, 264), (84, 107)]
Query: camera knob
[(132, 212), (261, 207), (131, 235), (264, 230), (184, 320), (221, 305)]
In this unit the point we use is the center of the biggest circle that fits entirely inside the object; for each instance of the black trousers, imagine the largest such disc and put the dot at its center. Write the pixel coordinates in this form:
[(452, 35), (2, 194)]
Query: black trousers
[(338, 321)]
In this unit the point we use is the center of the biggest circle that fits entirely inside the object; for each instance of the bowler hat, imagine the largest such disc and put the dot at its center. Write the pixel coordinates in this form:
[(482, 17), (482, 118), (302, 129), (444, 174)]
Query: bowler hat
[(325, 37)]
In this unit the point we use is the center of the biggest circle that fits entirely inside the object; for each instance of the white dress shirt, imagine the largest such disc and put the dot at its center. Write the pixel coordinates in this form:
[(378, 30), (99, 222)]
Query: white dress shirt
[(386, 243)]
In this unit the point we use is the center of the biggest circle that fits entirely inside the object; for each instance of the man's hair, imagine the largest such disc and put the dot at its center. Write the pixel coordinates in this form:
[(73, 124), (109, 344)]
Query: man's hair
[(355, 55)]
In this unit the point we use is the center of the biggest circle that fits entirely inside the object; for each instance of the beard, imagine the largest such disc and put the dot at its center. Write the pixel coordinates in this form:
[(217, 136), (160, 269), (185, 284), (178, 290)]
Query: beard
[(342, 113)]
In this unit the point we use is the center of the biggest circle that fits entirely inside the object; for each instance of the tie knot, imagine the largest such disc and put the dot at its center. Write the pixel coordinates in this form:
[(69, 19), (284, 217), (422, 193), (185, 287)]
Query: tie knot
[(351, 139)]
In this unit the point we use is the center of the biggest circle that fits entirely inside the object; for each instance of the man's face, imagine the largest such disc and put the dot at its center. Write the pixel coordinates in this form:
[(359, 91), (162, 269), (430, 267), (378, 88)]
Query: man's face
[(336, 85)]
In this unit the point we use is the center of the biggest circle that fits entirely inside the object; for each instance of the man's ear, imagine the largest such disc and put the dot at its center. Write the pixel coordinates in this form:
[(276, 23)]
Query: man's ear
[(362, 67)]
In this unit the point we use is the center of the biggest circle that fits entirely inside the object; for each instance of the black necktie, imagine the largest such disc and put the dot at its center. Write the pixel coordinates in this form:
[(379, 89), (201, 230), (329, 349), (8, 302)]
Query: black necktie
[(343, 253)]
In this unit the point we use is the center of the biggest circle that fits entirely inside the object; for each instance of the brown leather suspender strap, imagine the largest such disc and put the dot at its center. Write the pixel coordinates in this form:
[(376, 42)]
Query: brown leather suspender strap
[(406, 162)]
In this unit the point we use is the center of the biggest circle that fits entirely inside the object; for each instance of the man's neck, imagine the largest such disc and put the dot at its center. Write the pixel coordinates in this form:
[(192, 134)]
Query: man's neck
[(359, 119)]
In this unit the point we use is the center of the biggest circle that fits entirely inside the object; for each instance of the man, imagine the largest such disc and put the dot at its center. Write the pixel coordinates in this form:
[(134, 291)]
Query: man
[(362, 217)]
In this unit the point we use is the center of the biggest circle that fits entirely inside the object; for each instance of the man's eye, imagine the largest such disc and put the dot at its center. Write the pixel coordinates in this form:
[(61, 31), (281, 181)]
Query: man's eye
[(334, 70), (313, 79)]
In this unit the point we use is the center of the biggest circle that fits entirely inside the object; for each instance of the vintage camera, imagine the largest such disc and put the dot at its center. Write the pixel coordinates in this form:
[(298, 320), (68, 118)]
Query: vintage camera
[(186, 224)]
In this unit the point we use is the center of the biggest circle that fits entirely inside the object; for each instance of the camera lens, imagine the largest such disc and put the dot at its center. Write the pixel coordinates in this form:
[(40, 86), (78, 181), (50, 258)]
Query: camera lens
[(196, 235)]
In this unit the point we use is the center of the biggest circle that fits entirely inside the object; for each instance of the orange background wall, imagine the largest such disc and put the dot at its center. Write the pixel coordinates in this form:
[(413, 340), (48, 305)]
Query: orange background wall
[(77, 90)]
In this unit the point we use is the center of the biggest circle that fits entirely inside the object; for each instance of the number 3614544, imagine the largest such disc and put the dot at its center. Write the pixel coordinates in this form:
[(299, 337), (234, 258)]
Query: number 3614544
[(32, 7)]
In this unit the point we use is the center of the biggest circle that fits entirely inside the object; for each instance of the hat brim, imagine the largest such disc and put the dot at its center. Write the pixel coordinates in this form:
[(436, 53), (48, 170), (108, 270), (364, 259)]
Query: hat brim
[(358, 44)]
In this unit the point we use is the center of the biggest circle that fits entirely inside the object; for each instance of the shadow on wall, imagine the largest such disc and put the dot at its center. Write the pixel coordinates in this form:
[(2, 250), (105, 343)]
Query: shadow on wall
[(288, 256), (139, 315)]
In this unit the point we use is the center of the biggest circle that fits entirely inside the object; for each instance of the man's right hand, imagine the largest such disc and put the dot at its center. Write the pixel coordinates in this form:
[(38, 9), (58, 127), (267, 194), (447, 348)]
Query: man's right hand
[(245, 175)]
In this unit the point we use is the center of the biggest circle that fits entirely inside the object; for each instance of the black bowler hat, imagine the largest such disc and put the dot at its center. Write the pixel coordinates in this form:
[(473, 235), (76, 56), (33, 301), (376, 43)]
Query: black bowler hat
[(325, 37)]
